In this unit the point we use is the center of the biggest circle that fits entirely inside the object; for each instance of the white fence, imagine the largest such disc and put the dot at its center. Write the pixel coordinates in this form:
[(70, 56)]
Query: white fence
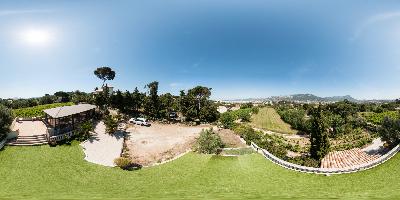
[(300, 168)]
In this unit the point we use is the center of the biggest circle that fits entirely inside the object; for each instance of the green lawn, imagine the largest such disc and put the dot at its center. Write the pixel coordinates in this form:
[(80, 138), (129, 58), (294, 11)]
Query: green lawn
[(61, 173), (267, 118)]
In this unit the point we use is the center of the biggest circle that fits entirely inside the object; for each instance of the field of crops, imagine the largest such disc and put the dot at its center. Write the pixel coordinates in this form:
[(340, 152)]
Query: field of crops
[(377, 118), (37, 111), (267, 118)]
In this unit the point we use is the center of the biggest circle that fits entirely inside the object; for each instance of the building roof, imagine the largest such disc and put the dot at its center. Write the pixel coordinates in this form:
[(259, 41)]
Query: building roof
[(65, 111)]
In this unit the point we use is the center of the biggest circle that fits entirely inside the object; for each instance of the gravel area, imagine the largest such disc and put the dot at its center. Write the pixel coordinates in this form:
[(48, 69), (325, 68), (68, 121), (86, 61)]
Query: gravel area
[(103, 148), (160, 142)]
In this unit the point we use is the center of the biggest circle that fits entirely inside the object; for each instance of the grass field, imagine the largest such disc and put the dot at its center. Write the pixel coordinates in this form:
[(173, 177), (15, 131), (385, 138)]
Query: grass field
[(267, 118), (61, 173)]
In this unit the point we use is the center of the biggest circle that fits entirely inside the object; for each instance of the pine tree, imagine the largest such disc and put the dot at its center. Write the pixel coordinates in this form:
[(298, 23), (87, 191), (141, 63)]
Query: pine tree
[(319, 135)]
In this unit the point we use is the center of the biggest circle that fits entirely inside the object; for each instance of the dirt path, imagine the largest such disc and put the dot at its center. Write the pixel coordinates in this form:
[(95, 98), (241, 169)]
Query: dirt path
[(230, 139), (103, 148)]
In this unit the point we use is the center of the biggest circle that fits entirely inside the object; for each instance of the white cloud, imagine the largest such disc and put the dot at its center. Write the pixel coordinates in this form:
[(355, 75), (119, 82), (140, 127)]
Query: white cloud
[(374, 20)]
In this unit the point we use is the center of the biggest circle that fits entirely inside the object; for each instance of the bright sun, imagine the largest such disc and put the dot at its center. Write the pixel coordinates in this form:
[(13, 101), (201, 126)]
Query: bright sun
[(36, 37)]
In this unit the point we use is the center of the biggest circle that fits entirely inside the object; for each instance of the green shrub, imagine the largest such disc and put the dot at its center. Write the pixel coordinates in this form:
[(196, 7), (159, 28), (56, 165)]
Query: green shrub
[(295, 117), (274, 148), (248, 134), (390, 131), (227, 120), (304, 161), (84, 131), (123, 163), (208, 142), (6, 118)]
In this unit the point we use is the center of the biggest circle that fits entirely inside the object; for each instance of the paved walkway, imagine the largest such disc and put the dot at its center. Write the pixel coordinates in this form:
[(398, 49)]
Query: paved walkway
[(375, 147), (103, 148)]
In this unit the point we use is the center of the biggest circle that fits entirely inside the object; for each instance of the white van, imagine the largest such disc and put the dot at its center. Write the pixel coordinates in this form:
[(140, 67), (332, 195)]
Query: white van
[(140, 121)]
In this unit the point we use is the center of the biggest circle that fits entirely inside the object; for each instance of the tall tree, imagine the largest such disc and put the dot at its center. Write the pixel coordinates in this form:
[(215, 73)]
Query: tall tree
[(195, 104), (46, 99), (167, 104), (201, 94), (104, 73), (137, 100), (63, 96), (319, 135), (102, 99), (117, 101), (152, 105)]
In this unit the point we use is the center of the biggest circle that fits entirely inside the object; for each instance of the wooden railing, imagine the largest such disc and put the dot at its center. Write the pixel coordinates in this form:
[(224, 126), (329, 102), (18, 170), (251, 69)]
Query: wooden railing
[(327, 171)]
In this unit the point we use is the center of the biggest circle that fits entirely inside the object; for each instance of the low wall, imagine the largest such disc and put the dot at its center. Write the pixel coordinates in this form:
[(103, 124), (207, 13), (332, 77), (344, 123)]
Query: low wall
[(3, 142), (28, 119), (328, 171), (61, 136)]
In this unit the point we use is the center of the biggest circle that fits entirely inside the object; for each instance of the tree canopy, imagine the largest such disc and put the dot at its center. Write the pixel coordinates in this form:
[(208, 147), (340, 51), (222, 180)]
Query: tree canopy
[(104, 73), (319, 135)]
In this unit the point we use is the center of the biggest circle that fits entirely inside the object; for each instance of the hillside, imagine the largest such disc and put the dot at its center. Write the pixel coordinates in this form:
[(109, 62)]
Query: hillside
[(297, 98)]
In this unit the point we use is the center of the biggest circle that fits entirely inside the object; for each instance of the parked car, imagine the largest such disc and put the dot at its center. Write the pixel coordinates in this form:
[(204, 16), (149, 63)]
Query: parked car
[(140, 121), (173, 115)]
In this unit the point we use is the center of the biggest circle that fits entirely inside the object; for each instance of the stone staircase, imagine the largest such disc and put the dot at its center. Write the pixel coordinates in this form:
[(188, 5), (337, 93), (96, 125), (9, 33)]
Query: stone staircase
[(28, 140)]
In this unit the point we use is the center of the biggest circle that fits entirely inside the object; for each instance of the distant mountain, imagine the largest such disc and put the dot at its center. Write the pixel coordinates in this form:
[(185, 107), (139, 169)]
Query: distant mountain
[(298, 98), (340, 98)]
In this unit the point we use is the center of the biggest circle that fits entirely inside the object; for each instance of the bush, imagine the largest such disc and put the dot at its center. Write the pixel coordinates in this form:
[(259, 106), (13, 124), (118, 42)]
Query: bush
[(227, 120), (84, 131), (208, 142), (390, 131), (246, 105), (123, 163), (304, 161), (274, 148), (248, 134), (6, 118), (294, 117)]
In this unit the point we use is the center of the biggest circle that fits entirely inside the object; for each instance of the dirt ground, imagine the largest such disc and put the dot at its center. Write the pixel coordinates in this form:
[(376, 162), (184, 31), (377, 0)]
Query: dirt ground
[(160, 142), (230, 139)]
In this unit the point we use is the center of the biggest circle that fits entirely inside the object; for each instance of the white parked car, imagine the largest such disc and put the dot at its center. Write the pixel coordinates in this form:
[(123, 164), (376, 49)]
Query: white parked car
[(140, 121)]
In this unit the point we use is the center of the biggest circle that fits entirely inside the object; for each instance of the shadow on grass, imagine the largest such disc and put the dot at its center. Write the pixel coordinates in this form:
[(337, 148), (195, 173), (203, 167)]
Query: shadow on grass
[(223, 158)]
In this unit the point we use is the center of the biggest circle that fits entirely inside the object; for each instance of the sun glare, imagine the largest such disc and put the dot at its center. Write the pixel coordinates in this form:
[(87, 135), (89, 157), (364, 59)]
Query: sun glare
[(36, 37)]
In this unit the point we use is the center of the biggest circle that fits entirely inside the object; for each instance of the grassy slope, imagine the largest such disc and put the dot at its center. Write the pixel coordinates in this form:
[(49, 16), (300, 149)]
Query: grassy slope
[(61, 173), (267, 118)]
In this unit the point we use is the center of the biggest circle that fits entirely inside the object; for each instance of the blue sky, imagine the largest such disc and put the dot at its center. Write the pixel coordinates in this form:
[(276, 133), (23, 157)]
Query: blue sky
[(239, 48)]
